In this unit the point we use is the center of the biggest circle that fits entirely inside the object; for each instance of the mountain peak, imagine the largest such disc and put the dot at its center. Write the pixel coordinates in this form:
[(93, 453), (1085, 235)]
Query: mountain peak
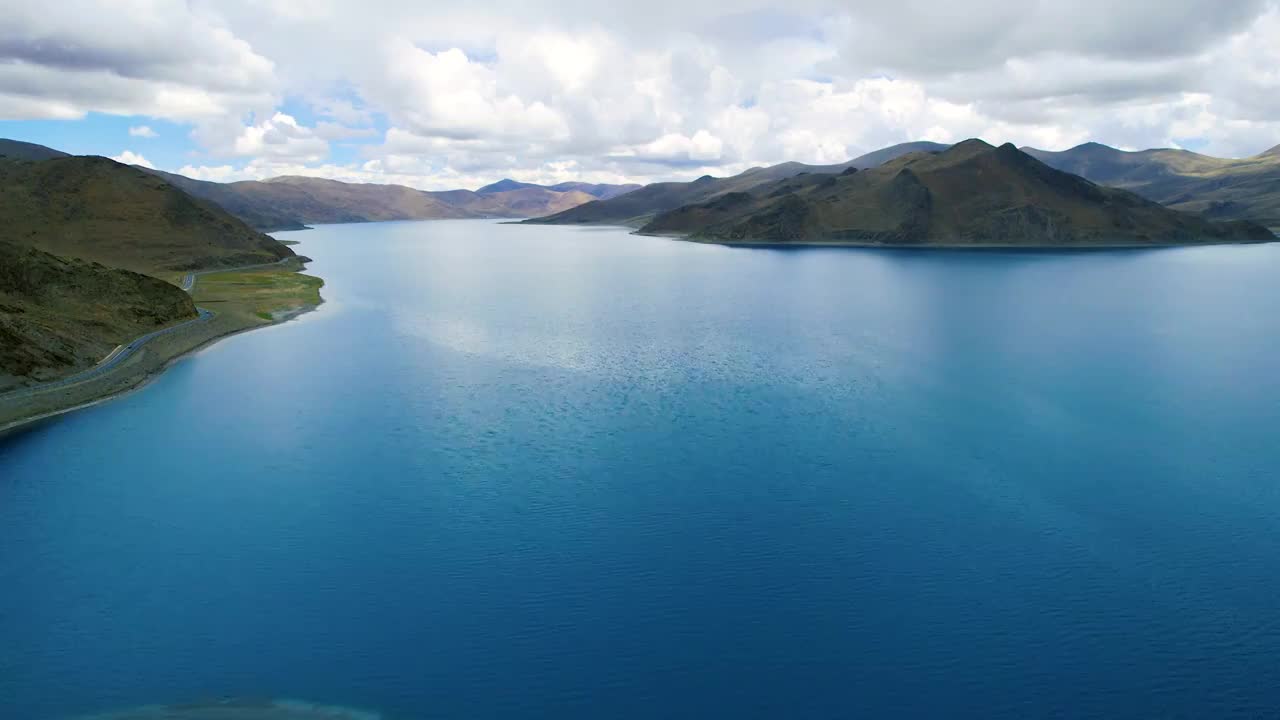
[(966, 149), (1094, 147), (503, 185), (1272, 153)]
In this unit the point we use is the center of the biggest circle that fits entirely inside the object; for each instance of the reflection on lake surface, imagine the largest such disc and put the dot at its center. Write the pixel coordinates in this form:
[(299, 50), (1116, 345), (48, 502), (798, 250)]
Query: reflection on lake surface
[(523, 472)]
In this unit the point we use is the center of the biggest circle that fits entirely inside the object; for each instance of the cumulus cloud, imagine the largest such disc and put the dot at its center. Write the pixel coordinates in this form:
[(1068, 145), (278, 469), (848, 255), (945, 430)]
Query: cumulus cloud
[(142, 131), (677, 149), (446, 94), (151, 57), (278, 137), (464, 93), (926, 37), (129, 157)]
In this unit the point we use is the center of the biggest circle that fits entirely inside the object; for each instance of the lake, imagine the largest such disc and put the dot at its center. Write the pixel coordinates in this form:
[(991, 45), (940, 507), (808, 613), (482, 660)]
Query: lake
[(528, 472)]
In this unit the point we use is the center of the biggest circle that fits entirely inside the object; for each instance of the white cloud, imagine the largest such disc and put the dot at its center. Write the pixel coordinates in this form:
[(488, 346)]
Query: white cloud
[(678, 149), (149, 57), (142, 131), (446, 94), (279, 137), (215, 173), (463, 92), (129, 157)]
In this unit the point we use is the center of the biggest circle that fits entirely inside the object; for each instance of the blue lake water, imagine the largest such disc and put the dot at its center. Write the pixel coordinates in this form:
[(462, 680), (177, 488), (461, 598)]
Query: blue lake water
[(529, 472)]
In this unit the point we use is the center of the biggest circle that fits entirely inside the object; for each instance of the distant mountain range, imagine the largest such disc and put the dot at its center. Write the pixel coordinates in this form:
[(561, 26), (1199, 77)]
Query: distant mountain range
[(597, 191), (1247, 189), (293, 202), (968, 194), (1218, 189)]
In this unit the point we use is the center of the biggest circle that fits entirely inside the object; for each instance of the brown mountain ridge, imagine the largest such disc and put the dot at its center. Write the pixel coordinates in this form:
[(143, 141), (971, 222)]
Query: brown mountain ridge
[(292, 202), (972, 194)]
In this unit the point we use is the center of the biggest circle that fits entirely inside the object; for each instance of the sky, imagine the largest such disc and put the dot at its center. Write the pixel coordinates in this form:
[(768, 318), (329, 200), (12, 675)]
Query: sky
[(440, 95)]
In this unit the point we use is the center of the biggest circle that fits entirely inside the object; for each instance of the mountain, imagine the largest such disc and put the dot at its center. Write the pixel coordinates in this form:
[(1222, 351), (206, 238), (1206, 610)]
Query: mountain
[(18, 150), (1247, 189), (637, 207), (640, 206), (237, 198), (78, 235), (59, 315), (317, 200), (893, 152), (291, 202), (534, 201), (98, 210), (503, 186), (970, 194), (599, 191)]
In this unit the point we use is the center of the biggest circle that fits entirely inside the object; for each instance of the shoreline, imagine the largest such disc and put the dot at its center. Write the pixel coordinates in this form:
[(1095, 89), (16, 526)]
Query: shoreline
[(773, 244), (144, 378), (17, 426), (778, 245)]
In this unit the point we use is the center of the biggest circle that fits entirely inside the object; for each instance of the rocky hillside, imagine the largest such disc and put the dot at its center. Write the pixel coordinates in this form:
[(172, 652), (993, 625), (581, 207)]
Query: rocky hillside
[(59, 316), (970, 194)]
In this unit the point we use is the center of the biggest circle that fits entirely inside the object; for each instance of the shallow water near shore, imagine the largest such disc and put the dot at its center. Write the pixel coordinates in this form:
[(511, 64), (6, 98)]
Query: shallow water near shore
[(521, 472)]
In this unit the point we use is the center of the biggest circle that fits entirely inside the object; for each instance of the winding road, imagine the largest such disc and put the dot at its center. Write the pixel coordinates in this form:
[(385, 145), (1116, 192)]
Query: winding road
[(124, 352), (189, 280)]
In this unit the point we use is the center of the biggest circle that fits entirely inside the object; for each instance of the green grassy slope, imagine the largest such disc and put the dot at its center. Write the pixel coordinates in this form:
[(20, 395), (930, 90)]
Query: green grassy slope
[(99, 210), (77, 235)]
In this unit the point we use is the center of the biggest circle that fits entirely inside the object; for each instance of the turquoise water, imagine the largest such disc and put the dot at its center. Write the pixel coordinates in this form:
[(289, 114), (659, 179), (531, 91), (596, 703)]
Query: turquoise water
[(529, 472)]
